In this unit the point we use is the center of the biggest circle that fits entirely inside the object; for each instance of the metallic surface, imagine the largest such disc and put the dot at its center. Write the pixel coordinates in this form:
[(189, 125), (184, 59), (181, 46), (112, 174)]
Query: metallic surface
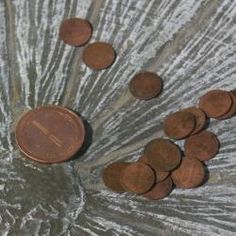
[(50, 134)]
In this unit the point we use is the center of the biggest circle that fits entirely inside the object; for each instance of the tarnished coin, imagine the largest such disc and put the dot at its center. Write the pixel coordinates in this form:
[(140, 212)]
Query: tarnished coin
[(162, 154), (50, 134), (112, 174), (200, 118), (216, 103), (75, 31), (179, 125), (160, 190), (232, 110), (145, 85), (190, 173), (202, 146), (99, 55), (159, 175), (137, 178)]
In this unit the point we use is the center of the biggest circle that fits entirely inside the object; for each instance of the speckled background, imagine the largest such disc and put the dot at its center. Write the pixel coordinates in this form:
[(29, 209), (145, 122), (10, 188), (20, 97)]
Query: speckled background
[(190, 43)]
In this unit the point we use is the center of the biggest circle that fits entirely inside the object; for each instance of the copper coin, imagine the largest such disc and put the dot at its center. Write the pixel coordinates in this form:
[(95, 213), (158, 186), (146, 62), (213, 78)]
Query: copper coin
[(145, 85), (202, 146), (99, 55), (190, 173), (160, 190), (112, 174), (159, 175), (75, 31), (137, 178), (179, 125), (50, 134), (162, 155), (216, 103), (200, 118), (232, 110)]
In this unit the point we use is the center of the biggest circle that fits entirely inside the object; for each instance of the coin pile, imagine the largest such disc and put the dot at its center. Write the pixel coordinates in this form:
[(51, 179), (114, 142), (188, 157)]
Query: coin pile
[(77, 32), (163, 164)]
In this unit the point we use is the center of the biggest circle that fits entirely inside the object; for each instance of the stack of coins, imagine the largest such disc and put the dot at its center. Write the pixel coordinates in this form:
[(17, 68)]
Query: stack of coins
[(77, 32), (163, 165)]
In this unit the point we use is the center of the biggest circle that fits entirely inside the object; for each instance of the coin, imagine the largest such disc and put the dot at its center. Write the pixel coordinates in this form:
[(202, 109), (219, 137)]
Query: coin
[(200, 118), (160, 190), (202, 146), (162, 154), (145, 85), (215, 103), (50, 134), (112, 174), (190, 173), (99, 55), (75, 31), (232, 110), (179, 125), (137, 178), (159, 175)]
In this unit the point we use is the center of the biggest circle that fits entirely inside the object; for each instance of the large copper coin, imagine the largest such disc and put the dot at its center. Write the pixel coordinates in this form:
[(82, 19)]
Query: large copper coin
[(232, 110), (137, 178), (200, 118), (179, 125), (160, 190), (75, 31), (202, 146), (162, 155), (99, 55), (215, 103), (159, 175), (50, 134), (112, 174), (190, 173), (145, 85)]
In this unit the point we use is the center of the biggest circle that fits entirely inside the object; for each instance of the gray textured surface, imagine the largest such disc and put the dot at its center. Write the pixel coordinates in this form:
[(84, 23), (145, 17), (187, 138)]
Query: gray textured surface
[(190, 43)]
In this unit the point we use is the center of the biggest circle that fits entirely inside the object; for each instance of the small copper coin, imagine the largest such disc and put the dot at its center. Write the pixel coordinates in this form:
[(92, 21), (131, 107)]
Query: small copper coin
[(99, 55), (75, 31), (145, 85), (162, 154), (137, 178), (50, 134), (112, 174), (160, 175), (232, 110), (190, 173), (216, 103), (200, 118), (160, 190), (179, 124), (202, 146)]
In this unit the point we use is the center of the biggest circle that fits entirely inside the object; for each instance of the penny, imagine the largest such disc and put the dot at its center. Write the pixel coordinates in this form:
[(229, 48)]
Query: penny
[(99, 55), (232, 110), (215, 103), (200, 118), (160, 190), (159, 175), (202, 146), (162, 154), (137, 178), (145, 85), (75, 31), (112, 174), (50, 134), (179, 125), (190, 173)]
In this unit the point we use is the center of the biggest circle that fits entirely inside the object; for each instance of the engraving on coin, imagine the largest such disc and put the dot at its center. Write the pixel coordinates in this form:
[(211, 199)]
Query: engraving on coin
[(50, 134)]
